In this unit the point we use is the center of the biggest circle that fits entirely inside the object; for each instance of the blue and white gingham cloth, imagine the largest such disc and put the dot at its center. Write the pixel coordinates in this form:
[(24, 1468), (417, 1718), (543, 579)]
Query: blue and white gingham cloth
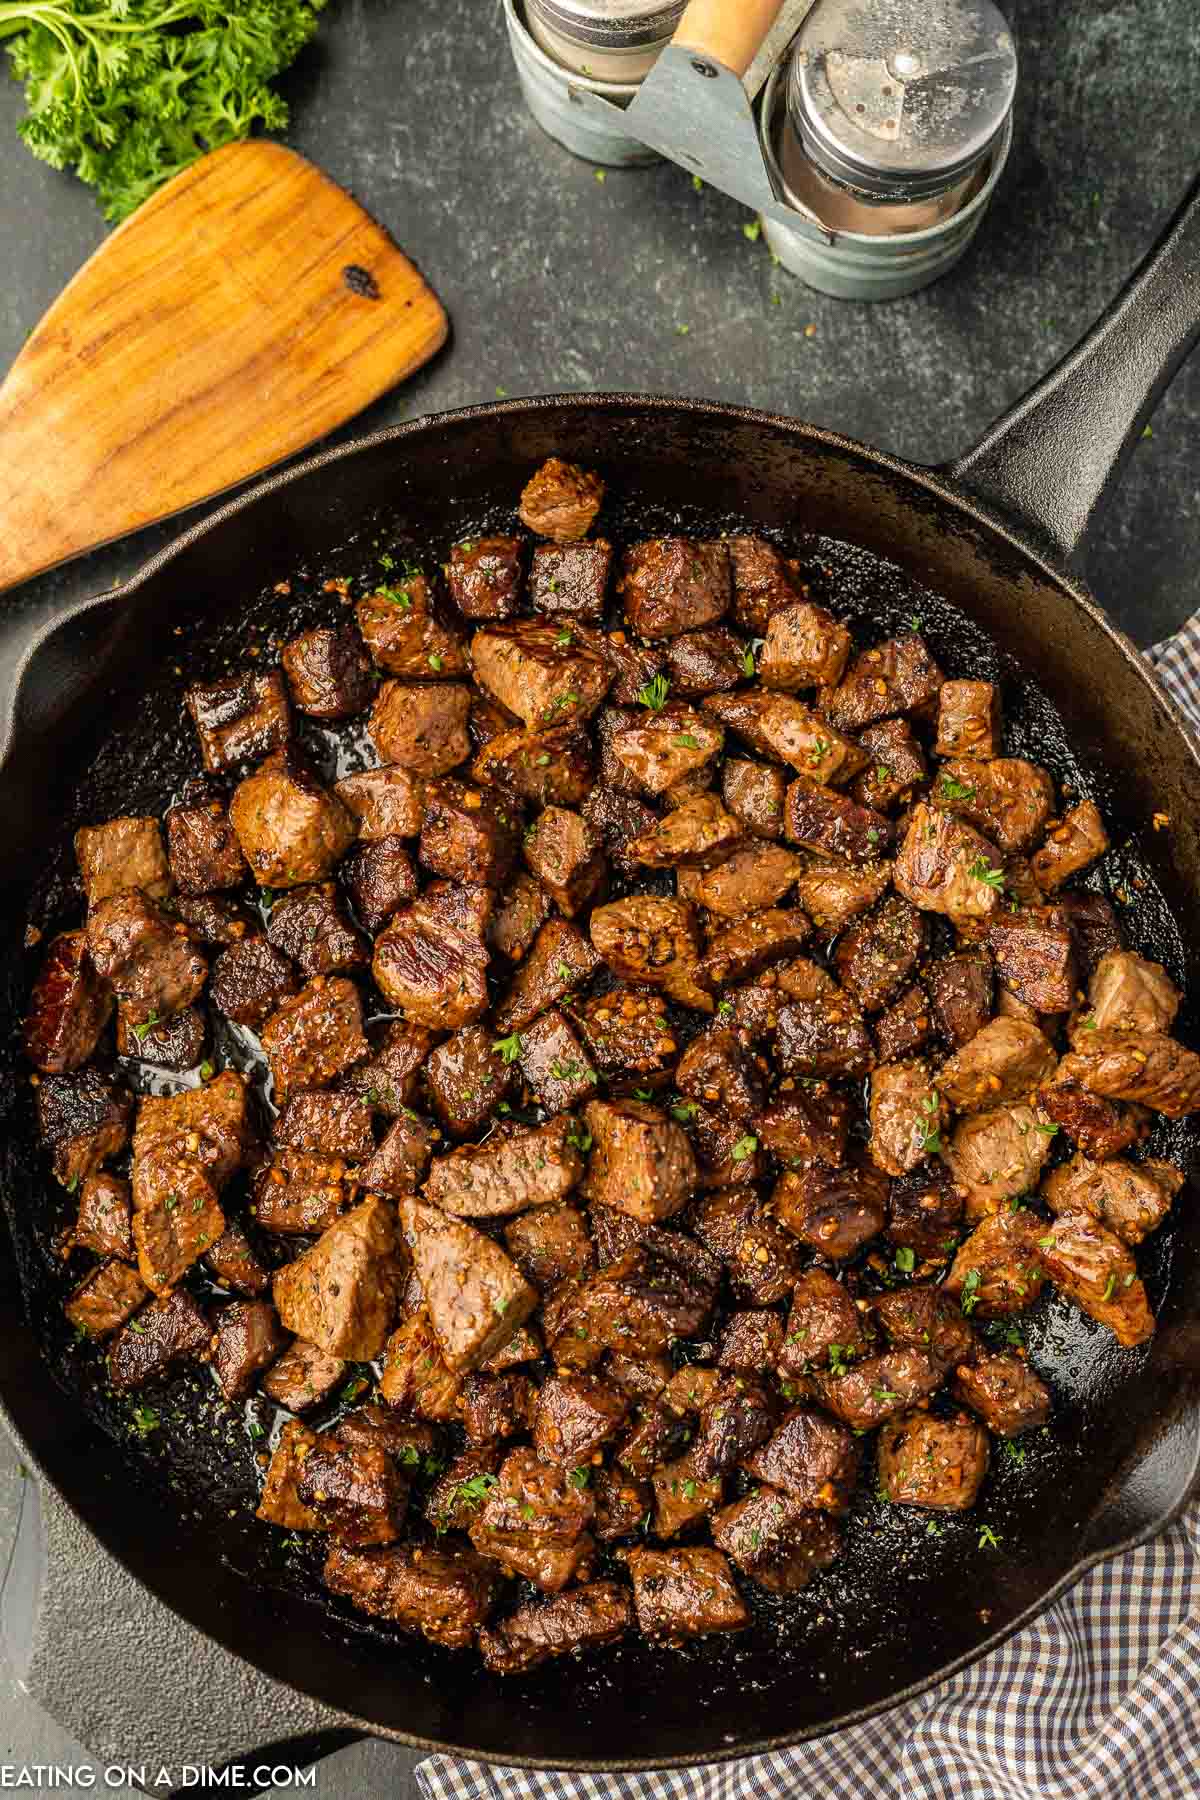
[(1099, 1699)]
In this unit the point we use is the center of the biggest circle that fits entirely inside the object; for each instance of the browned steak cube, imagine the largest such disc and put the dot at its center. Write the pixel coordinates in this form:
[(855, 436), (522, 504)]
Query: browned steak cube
[(177, 1042), (548, 1564), (561, 960), (561, 500), (672, 585), (926, 1318), (824, 1327), (752, 944), (653, 752), (68, 1009), (832, 893), (636, 1305), (175, 1216), (476, 1296), (456, 1496), (571, 580), (202, 847), (934, 1463), (555, 1064), (83, 1118), (805, 1126), (960, 992), (146, 957), (811, 1457), (999, 1269), (805, 647), (633, 667), (574, 1416), (310, 926), (869, 1392), (641, 1163), (168, 1331), (1075, 842), (234, 1263), (1128, 993), (248, 1339), (660, 1434), (727, 1155), (299, 1193), (250, 980), (385, 802), (409, 1442), (897, 765), (341, 1294), (707, 662), (517, 1167), (356, 1491), (877, 955), (468, 834), (445, 1595), (1143, 1066), (696, 835), (432, 959), (388, 1082), (539, 678), (685, 1593), (422, 725), (551, 1244), (997, 1156), (416, 1377), (1005, 1061), (280, 1504), (833, 1211), (945, 867), (216, 1115), (906, 1026), (833, 824), (551, 768), (328, 1124), (1091, 1265), (520, 912), (627, 1035), (1008, 799), (907, 1116), (536, 1498), (496, 1406), (291, 829), (241, 718), (467, 1079), (778, 726), (567, 858), (401, 1159), (1132, 1199), (314, 1036), (682, 1496), (823, 1036), (122, 853), (968, 720), (103, 1221), (485, 577), (1006, 1393), (718, 1069), (1035, 958), (925, 1210), (754, 793), (302, 1377), (894, 677), (776, 1540), (380, 879), (734, 1423), (653, 942), (763, 583), (406, 634), (752, 1342), (589, 1618), (761, 1256), (751, 880), (105, 1298), (329, 672), (623, 1504)]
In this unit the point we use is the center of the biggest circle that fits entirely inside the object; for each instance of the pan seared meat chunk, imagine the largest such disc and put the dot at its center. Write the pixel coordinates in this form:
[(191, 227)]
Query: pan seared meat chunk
[(574, 1416), (566, 856), (763, 583), (456, 1495), (960, 992), (1005, 1061), (102, 1224), (997, 1156), (1008, 799), (750, 880), (1146, 1066), (878, 1388), (83, 1118), (705, 662), (754, 793), (388, 1082), (1094, 925), (341, 1293), (1100, 1128), (1006, 1393), (380, 879), (682, 1496), (549, 1565), (519, 1167), (298, 1193), (811, 1457), (551, 1244), (570, 581), (241, 718), (519, 914), (876, 956), (216, 1116), (303, 1377), (122, 853), (446, 1595), (775, 1540), (386, 802), (627, 1035), (401, 1159), (560, 961), (467, 1079), (554, 1064), (496, 1407), (279, 1503), (672, 585), (778, 726), (895, 677), (416, 1376), (177, 1042), (833, 824), (659, 1436), (908, 1115), (175, 1215), (653, 942), (635, 1306), (329, 672), (1127, 993), (310, 926), (248, 1340), (203, 850), (751, 944), (106, 1297), (1078, 839), (938, 1464), (68, 1009), (432, 959), (999, 1269), (761, 1257), (588, 1618), (1094, 1268), (355, 1491), (327, 1125), (925, 1210), (551, 768), (313, 1037), (250, 980), (968, 720), (149, 961), (468, 834), (1132, 1199), (485, 577), (824, 1326), (233, 1261), (291, 829), (685, 1593), (540, 679), (946, 867), (561, 501), (824, 1036), (906, 1026), (832, 893), (168, 1331), (655, 752), (405, 632), (641, 1162), (407, 1441), (1035, 957), (537, 1496), (805, 646), (925, 1318), (735, 1423), (422, 725), (833, 1211), (476, 1296), (897, 765), (697, 835), (717, 1068), (752, 1343)]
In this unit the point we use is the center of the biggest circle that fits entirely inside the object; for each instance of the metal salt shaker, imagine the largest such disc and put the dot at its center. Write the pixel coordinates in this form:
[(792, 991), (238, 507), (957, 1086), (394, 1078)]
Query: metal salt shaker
[(887, 130), (605, 47)]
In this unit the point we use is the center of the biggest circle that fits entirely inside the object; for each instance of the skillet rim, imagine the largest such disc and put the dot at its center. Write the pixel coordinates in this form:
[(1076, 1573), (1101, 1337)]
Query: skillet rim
[(940, 485)]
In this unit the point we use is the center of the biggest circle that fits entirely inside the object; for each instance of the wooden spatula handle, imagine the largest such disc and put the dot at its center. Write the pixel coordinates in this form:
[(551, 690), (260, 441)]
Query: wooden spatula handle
[(730, 31)]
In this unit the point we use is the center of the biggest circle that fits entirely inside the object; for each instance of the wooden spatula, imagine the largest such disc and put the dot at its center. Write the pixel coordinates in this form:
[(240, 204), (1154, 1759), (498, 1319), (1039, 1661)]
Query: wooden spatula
[(243, 312)]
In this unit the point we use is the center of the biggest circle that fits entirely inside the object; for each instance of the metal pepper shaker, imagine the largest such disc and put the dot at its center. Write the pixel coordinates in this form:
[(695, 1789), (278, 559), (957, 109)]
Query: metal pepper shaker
[(887, 130), (603, 47)]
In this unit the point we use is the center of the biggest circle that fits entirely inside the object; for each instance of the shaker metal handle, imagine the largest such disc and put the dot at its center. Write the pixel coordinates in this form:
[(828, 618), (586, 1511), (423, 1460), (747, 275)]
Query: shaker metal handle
[(729, 31)]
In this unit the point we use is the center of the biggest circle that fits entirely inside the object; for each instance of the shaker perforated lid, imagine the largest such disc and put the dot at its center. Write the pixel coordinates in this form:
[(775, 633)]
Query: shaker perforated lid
[(611, 24), (901, 98)]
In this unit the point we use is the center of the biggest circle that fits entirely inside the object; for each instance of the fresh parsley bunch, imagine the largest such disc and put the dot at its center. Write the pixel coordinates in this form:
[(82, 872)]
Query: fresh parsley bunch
[(129, 92)]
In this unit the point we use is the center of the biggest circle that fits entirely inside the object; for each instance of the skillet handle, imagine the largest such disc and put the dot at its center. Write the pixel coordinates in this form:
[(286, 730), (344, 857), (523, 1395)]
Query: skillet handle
[(1050, 461)]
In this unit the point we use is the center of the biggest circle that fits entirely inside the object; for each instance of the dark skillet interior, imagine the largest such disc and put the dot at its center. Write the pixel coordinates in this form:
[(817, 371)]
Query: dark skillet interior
[(902, 1604)]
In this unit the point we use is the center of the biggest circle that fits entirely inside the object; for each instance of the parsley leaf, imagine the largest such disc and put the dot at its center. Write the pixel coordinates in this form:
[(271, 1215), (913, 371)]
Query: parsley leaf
[(654, 694), (508, 1049), (983, 871)]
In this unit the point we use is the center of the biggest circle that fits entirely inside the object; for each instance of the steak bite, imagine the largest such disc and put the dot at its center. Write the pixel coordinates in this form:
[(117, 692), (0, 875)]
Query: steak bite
[(641, 1163), (314, 1036), (925, 1210), (475, 1295), (241, 718), (1098, 1272), (752, 879), (248, 1340), (380, 879), (485, 577), (763, 583), (833, 1211), (998, 1269), (1145, 1066), (233, 1263), (303, 1377), (329, 672), (706, 662), (588, 1618), (122, 853), (716, 1068), (876, 956), (203, 850), (684, 1593), (83, 1119), (407, 1441), (635, 1306), (561, 501), (566, 856), (551, 768), (938, 1464), (832, 893), (467, 1079), (301, 1194), (1008, 799), (653, 942), (628, 1037), (175, 1216), (341, 1293), (386, 802), (658, 752), (926, 1318), (561, 960), (823, 1036), (416, 1376), (148, 960), (895, 677), (735, 1423), (805, 646), (468, 834), (1035, 958), (1131, 1199), (327, 1125), (103, 1221), (960, 991), (537, 1497), (539, 678), (908, 1115), (216, 1116), (906, 1026), (446, 1595), (554, 1064), (106, 1297), (388, 1082), (775, 1540), (752, 1342), (68, 1008), (754, 793), (177, 1042), (1127, 993), (784, 729), (968, 721), (168, 1331), (570, 581), (1099, 1128), (407, 635), (997, 1156), (523, 1166), (1077, 840), (697, 835), (310, 926), (574, 1416), (811, 1457), (1005, 1061), (824, 1326), (422, 725), (682, 1496), (279, 1503), (401, 1159), (250, 980), (761, 1257), (1094, 924), (1005, 1392), (897, 765), (519, 915), (291, 829), (356, 1491), (833, 824), (805, 1126), (945, 867), (672, 585), (432, 959), (551, 1244), (496, 1406), (753, 943), (878, 1388)]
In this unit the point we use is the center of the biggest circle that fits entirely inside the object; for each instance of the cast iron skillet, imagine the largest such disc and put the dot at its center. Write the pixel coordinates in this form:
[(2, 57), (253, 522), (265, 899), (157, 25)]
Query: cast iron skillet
[(94, 727)]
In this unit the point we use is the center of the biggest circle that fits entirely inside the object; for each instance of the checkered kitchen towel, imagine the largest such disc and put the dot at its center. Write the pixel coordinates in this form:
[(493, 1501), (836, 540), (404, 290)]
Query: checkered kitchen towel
[(1099, 1699)]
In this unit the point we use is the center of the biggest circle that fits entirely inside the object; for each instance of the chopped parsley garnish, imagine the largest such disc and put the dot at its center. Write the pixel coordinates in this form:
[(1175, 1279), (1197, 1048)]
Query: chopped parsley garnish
[(145, 1420), (988, 1539), (564, 638), (435, 661), (206, 1071), (654, 693), (725, 1008), (579, 1477), (748, 662), (684, 1111), (471, 1492), (970, 1294), (906, 1260), (983, 871), (744, 1148), (956, 790), (685, 741), (142, 1032), (397, 596), (509, 1048)]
